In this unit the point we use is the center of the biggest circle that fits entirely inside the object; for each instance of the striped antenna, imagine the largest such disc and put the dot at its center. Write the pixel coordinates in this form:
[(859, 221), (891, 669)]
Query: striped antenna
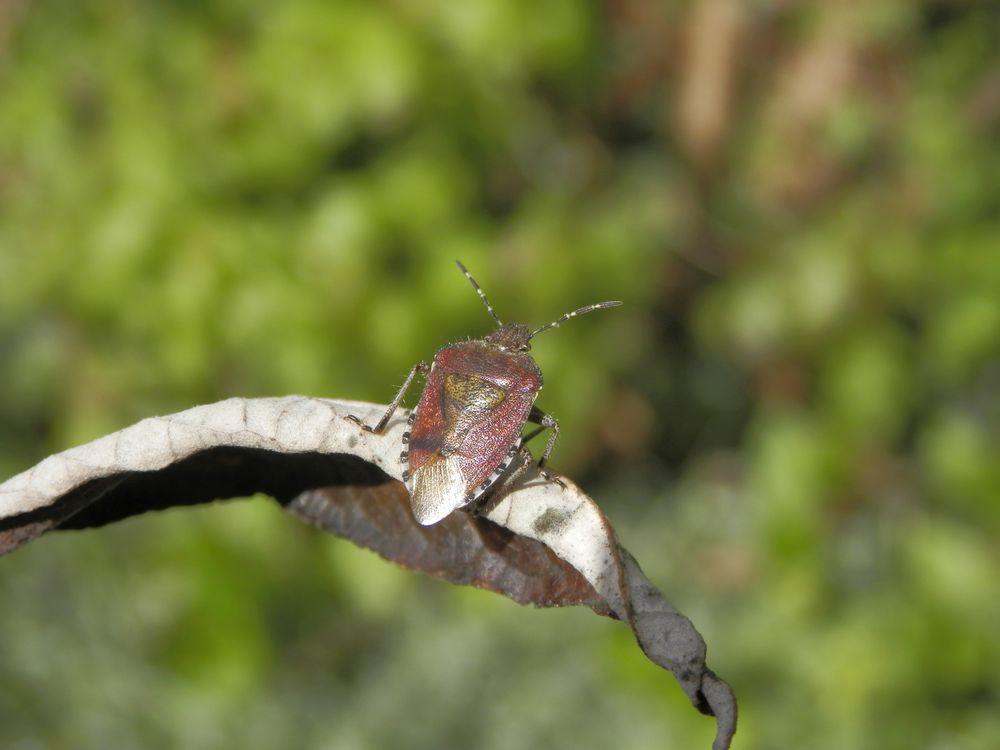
[(480, 292), (567, 316)]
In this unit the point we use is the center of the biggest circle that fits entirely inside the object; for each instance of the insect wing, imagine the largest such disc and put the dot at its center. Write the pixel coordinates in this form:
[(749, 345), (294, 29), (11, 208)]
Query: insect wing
[(441, 484), (435, 481), (467, 427), (487, 448), (461, 441), (437, 488), (427, 436)]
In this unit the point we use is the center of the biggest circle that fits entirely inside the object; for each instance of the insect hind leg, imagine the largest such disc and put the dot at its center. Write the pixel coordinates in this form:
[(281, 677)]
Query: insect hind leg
[(422, 368), (510, 478)]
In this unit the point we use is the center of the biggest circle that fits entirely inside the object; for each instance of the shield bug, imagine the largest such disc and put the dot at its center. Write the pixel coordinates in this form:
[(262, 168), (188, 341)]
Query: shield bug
[(466, 429)]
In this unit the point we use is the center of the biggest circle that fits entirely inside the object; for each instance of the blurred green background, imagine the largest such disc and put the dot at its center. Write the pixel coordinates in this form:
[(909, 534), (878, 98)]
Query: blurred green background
[(792, 422)]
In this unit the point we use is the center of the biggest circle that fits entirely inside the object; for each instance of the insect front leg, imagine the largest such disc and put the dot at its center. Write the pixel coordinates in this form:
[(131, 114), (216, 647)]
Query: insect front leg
[(422, 368), (544, 421), (539, 417)]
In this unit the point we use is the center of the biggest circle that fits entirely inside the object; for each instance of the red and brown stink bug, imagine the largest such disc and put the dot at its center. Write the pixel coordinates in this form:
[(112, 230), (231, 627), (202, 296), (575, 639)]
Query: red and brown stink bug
[(466, 429)]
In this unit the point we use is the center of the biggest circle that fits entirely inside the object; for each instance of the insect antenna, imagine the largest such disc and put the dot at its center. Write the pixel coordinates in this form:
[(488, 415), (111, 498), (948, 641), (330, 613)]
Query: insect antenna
[(481, 293), (567, 316)]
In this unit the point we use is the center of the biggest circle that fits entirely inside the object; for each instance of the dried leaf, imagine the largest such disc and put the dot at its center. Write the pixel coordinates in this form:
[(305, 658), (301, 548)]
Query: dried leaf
[(540, 543)]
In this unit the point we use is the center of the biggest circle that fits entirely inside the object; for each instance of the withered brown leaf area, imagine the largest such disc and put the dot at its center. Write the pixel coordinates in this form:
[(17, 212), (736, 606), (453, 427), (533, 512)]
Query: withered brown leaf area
[(538, 544)]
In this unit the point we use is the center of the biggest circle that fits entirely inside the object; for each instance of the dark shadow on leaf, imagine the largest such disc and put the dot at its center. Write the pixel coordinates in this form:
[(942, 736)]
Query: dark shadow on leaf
[(215, 474)]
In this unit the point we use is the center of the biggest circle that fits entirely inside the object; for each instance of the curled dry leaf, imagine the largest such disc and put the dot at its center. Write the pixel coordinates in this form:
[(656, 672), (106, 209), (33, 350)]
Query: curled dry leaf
[(540, 543)]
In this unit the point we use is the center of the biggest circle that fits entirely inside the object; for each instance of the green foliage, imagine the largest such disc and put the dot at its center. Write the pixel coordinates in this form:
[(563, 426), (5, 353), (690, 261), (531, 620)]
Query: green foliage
[(793, 421)]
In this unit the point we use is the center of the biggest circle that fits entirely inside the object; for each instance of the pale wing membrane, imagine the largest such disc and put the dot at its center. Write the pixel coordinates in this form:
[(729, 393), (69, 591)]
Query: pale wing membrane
[(437, 489)]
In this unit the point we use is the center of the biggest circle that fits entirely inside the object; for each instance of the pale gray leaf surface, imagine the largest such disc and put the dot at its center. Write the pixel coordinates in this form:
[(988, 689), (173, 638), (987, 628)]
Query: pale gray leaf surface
[(289, 448)]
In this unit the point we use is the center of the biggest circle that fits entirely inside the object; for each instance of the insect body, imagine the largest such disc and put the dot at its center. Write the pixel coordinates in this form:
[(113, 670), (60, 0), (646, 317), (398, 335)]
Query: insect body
[(466, 430)]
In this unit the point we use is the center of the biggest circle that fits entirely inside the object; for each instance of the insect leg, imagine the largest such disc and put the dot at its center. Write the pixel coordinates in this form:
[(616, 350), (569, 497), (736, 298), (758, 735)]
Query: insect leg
[(531, 435), (543, 420), (422, 368), (526, 460), (539, 417)]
